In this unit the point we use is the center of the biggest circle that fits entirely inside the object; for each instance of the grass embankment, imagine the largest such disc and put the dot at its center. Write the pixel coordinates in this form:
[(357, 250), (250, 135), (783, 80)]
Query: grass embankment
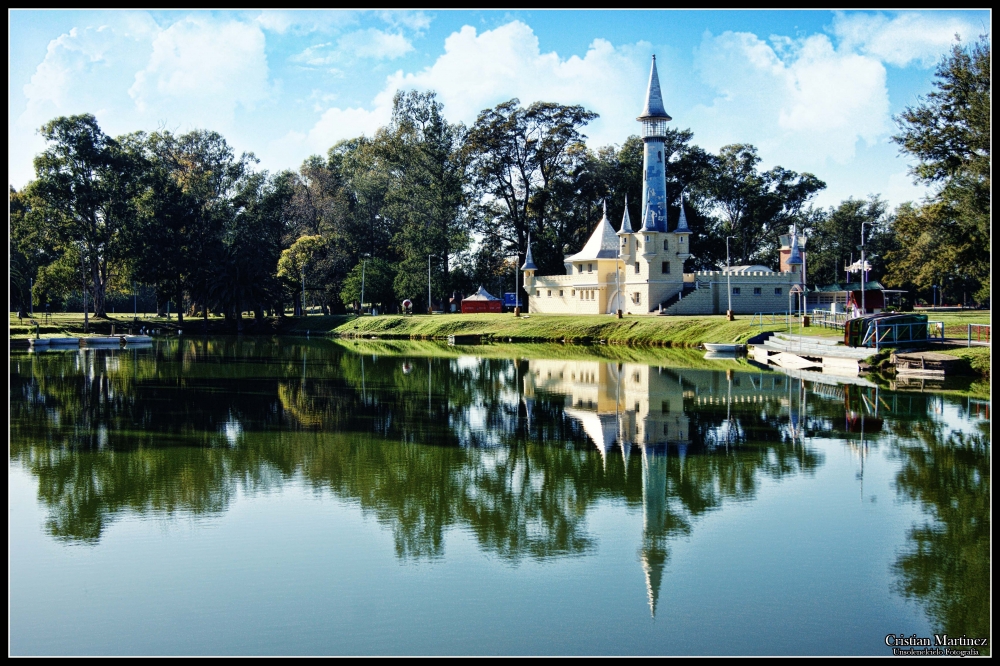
[(664, 331)]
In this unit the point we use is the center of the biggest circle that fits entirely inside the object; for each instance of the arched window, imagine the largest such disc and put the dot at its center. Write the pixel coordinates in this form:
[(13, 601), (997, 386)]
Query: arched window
[(665, 246)]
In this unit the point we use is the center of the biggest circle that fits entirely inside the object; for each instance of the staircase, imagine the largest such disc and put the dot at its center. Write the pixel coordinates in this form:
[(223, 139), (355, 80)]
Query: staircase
[(685, 290)]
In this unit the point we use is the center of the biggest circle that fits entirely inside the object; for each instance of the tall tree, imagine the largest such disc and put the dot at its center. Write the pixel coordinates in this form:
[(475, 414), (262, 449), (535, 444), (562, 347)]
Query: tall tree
[(949, 134), (518, 154), (89, 181), (426, 198)]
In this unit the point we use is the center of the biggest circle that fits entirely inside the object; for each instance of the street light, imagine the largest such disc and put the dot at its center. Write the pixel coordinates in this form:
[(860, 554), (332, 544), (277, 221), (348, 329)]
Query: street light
[(364, 260), (430, 308), (864, 276), (729, 287)]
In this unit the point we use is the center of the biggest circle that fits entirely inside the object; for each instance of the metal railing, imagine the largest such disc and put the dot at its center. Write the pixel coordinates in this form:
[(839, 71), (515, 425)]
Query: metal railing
[(980, 328), (761, 318), (888, 335), (828, 319)]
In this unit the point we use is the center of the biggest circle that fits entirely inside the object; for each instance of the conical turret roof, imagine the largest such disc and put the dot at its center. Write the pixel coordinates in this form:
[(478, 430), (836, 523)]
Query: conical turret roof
[(654, 99), (626, 221), (682, 223), (602, 244), (794, 256), (529, 263)]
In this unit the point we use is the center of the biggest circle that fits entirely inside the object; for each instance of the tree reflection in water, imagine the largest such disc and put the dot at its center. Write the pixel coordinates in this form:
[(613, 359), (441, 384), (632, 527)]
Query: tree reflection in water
[(514, 451)]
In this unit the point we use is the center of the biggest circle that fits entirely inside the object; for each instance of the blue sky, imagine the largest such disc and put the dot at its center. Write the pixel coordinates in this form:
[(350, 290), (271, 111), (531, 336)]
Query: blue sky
[(814, 91)]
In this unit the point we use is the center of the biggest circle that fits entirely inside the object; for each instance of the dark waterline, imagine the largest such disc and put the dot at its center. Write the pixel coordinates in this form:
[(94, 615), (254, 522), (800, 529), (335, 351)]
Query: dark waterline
[(225, 496)]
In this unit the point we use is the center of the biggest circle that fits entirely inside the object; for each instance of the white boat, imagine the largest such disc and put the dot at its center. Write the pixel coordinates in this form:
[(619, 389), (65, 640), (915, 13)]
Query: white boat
[(720, 347)]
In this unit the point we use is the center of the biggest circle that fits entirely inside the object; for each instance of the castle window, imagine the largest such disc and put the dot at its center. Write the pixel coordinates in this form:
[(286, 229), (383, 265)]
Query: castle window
[(590, 268), (777, 291), (647, 239), (665, 245), (579, 268), (665, 407), (624, 241), (756, 291), (538, 292), (637, 298), (560, 293), (637, 268), (550, 293), (572, 292), (736, 291), (665, 267), (681, 239)]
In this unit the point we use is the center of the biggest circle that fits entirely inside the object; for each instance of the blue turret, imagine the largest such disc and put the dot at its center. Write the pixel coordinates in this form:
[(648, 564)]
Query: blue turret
[(654, 129)]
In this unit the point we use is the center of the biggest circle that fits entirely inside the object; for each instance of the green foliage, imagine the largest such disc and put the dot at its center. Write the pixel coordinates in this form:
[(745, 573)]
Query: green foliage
[(947, 240), (376, 277), (834, 237)]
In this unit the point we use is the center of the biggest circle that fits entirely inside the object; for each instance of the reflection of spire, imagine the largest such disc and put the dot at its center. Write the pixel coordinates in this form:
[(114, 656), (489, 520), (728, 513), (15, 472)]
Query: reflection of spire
[(654, 513)]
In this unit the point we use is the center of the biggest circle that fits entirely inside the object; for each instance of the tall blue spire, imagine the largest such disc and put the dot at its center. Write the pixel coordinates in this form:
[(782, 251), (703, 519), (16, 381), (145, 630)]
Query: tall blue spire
[(529, 263), (654, 99)]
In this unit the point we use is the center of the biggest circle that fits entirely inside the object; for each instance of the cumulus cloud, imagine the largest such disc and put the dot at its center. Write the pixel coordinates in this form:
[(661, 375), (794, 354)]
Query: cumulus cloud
[(201, 70), (904, 39), (480, 70), (800, 101)]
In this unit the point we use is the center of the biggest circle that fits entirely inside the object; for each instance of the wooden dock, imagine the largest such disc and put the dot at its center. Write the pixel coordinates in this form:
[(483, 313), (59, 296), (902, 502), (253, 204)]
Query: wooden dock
[(924, 364)]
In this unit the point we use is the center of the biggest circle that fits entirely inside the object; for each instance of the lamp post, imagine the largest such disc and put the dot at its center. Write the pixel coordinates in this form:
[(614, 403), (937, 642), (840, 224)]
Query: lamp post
[(864, 276), (83, 276), (364, 260), (31, 297), (303, 289), (430, 308), (135, 303), (729, 288), (517, 292)]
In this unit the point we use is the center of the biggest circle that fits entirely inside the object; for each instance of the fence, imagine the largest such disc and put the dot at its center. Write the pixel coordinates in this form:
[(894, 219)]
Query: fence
[(761, 318), (980, 328), (828, 319), (888, 335)]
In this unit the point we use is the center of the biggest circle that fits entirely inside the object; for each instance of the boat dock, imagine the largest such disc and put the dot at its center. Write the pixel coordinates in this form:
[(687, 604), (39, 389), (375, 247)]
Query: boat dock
[(801, 352)]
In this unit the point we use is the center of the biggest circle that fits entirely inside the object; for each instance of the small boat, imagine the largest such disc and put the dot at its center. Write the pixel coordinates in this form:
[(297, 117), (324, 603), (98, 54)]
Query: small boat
[(720, 347)]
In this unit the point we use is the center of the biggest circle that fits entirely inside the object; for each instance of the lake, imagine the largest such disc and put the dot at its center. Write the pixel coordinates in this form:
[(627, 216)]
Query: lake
[(294, 496)]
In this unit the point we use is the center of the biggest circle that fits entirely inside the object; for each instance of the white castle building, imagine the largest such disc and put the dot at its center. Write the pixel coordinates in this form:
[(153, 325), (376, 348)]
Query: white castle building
[(642, 272)]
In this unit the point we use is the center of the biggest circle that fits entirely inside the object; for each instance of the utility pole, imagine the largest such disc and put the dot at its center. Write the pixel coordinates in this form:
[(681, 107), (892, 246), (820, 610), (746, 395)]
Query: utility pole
[(363, 262), (31, 297), (83, 274), (729, 288), (864, 273), (430, 308), (303, 290)]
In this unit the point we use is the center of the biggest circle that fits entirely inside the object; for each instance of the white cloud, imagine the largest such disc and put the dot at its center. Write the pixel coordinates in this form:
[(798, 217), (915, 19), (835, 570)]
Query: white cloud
[(374, 43), (480, 70), (201, 70), (906, 38), (807, 106)]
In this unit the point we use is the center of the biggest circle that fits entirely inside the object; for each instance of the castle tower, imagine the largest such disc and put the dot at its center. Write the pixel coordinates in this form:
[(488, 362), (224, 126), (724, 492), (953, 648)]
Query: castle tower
[(654, 130)]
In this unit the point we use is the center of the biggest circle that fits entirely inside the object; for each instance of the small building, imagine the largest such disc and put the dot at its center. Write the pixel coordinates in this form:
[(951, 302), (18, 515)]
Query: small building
[(481, 301), (847, 297)]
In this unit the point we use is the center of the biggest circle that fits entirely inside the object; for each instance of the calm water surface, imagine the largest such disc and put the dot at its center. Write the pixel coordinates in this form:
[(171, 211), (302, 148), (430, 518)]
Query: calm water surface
[(311, 497)]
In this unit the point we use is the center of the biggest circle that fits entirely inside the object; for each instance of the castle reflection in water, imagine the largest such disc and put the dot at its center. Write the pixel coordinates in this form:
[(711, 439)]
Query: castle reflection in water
[(628, 407)]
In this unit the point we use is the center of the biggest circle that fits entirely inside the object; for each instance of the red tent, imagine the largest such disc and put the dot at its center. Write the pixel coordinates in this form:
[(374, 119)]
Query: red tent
[(481, 301)]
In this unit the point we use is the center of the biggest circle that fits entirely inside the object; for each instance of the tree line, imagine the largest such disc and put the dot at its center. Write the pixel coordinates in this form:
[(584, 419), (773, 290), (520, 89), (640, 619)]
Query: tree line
[(425, 199)]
